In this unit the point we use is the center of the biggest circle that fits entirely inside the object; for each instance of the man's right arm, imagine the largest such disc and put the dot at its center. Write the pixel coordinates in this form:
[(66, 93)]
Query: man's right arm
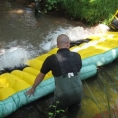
[(37, 81), (44, 69)]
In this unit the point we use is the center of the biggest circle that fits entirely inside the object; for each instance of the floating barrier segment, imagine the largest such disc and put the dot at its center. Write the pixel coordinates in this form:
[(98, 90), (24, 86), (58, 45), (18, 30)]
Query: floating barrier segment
[(101, 50)]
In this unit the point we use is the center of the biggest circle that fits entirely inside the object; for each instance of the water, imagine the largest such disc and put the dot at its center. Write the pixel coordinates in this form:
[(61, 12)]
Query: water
[(24, 36)]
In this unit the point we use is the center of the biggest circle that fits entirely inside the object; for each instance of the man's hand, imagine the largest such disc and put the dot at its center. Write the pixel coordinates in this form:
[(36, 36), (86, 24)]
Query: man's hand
[(30, 92), (37, 81)]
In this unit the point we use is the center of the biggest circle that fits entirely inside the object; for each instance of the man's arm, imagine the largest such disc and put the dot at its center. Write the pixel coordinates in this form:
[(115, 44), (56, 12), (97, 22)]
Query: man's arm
[(37, 81)]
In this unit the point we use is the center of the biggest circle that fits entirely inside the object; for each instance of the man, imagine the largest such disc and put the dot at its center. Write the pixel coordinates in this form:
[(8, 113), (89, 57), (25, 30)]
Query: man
[(65, 67)]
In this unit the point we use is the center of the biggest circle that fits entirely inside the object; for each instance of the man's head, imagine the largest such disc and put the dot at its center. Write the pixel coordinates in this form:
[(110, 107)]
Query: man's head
[(63, 41)]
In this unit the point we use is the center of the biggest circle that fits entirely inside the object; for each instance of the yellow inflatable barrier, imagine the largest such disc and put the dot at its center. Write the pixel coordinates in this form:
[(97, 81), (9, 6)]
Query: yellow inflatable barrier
[(101, 50)]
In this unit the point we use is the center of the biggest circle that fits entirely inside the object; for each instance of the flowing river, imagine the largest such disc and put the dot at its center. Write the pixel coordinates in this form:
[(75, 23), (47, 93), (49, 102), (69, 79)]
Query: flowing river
[(24, 36)]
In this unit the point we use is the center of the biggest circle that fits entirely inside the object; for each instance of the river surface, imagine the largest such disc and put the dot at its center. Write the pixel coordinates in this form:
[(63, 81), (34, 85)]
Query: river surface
[(24, 36)]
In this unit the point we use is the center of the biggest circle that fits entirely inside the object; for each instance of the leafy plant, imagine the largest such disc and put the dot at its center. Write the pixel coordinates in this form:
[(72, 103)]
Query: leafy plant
[(50, 5), (56, 111)]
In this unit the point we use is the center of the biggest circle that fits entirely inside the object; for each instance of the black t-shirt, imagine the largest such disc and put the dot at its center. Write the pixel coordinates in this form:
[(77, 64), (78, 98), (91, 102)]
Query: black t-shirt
[(51, 63)]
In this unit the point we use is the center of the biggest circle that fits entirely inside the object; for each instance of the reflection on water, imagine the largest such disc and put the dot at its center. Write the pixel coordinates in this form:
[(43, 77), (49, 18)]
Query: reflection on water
[(100, 94)]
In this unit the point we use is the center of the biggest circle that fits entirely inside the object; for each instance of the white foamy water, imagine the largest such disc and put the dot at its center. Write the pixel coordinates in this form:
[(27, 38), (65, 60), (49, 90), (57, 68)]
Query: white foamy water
[(50, 40), (17, 56), (13, 57), (77, 33), (74, 34)]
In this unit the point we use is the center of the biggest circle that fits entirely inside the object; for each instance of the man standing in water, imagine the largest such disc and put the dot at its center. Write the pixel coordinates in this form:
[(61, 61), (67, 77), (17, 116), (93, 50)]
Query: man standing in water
[(65, 67)]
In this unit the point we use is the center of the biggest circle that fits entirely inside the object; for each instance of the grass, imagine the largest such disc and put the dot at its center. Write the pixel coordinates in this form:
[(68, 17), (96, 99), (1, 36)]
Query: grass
[(89, 11)]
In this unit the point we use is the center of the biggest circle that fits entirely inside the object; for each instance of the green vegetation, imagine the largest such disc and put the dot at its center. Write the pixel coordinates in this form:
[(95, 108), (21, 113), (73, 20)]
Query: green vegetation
[(56, 111), (89, 11)]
